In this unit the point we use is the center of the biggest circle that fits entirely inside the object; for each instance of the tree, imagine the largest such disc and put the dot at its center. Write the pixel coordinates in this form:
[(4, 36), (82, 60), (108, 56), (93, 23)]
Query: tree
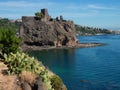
[(8, 41)]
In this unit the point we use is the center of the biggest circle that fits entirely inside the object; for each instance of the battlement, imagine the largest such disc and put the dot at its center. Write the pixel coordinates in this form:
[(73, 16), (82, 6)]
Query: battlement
[(47, 17)]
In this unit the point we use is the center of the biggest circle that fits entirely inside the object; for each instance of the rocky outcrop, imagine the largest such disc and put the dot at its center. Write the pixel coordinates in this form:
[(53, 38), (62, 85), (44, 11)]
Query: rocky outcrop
[(24, 81), (29, 81), (47, 31)]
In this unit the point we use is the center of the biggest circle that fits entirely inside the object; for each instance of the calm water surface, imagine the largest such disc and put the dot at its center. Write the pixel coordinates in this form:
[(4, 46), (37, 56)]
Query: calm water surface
[(95, 68)]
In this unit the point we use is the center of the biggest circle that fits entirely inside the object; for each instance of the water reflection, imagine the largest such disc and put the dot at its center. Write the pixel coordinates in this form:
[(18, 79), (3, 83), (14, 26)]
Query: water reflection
[(63, 58)]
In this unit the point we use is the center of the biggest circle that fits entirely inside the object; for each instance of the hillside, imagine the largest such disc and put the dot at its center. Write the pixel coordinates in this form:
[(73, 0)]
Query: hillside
[(21, 72), (85, 30), (7, 23)]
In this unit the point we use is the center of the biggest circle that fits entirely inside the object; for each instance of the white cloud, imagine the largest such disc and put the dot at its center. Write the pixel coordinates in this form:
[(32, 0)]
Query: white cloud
[(14, 4), (93, 6), (27, 4), (18, 8)]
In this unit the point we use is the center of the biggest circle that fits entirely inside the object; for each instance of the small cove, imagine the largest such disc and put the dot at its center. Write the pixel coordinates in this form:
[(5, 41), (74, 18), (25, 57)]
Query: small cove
[(96, 68)]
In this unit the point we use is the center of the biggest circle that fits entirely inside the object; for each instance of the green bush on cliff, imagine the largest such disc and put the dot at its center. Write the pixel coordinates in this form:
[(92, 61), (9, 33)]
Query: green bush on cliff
[(8, 41), (39, 14), (56, 82), (18, 62)]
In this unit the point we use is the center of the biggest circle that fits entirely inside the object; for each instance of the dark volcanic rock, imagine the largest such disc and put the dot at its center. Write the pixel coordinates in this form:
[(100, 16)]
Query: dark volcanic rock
[(47, 31)]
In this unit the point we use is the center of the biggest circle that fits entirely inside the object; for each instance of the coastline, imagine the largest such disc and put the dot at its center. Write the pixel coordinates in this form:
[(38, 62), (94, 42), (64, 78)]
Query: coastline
[(27, 48)]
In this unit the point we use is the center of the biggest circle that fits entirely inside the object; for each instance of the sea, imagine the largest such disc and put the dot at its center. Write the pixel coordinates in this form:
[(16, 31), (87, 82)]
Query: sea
[(95, 68)]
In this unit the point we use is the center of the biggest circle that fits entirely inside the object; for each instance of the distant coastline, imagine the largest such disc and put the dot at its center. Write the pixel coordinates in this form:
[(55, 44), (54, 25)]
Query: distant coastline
[(90, 31)]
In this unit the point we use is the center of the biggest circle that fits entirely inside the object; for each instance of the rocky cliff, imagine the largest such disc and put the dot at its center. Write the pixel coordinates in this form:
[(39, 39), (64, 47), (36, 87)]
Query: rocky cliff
[(47, 31)]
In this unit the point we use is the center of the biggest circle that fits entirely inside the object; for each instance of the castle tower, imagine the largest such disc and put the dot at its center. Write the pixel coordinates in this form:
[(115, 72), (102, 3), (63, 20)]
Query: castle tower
[(46, 15), (61, 18)]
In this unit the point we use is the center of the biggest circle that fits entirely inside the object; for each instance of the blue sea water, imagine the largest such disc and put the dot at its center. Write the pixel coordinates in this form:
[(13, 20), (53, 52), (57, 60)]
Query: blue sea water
[(96, 68)]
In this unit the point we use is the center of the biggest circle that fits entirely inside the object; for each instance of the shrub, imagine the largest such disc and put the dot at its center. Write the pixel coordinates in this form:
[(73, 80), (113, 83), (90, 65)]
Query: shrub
[(39, 14), (8, 41), (56, 82), (19, 62)]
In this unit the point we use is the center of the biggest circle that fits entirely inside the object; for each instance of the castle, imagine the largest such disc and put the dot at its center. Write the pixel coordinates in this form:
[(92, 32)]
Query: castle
[(47, 31)]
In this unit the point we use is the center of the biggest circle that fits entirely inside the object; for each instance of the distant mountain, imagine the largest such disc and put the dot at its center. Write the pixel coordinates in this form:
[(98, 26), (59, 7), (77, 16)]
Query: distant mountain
[(85, 30)]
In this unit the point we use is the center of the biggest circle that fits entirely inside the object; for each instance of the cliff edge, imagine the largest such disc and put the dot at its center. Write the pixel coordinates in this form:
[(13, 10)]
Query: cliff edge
[(19, 71)]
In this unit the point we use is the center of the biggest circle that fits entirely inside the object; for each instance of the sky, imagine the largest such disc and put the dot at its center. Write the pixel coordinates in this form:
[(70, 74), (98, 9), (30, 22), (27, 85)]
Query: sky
[(93, 13)]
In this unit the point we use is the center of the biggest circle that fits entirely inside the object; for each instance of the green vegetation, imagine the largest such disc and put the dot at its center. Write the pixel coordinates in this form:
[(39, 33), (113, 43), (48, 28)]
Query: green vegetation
[(84, 30), (19, 62), (6, 23), (8, 41), (56, 82), (39, 14)]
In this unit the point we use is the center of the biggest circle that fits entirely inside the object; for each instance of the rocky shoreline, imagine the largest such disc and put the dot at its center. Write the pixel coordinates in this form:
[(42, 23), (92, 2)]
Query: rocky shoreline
[(28, 48)]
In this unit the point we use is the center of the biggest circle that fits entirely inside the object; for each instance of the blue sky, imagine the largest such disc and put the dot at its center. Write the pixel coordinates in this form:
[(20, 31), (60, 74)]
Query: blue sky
[(95, 13)]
